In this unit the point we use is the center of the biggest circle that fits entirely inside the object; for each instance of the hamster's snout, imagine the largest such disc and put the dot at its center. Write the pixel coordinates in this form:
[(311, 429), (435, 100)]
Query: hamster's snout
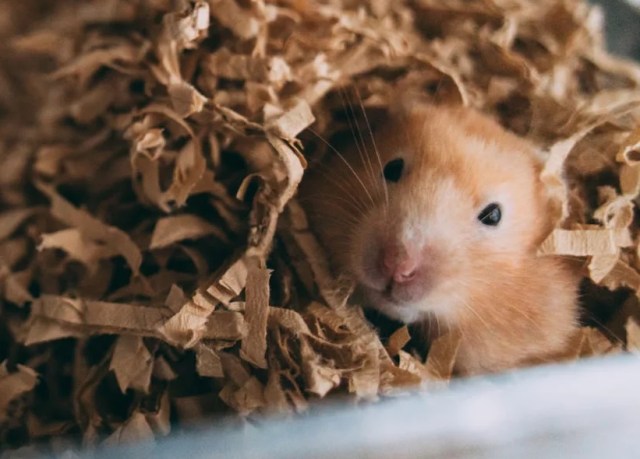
[(403, 272), (397, 264)]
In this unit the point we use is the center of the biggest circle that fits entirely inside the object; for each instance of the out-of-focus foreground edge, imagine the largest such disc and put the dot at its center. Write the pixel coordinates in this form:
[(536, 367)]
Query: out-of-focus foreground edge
[(589, 409)]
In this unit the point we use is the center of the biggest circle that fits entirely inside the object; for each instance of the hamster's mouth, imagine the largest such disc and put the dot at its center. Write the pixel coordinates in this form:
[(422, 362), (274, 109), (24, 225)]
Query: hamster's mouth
[(397, 296), (379, 294), (388, 294), (442, 299), (386, 302)]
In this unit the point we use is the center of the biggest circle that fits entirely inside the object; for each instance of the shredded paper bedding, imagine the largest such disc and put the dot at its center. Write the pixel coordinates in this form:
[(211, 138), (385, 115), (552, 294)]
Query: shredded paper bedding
[(155, 267)]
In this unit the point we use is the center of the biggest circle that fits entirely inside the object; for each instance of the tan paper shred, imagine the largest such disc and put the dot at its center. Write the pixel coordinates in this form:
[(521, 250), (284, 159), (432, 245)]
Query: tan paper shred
[(208, 362), (411, 364), (630, 151), (630, 180), (293, 164), (254, 345), (93, 229), (227, 325), (553, 175), (150, 154), (633, 335), (186, 99), (597, 343), (189, 323), (622, 275), (231, 283), (398, 340), (223, 63), (321, 379), (189, 27), (291, 123), (275, 395), (601, 265), (629, 155), (132, 363), (12, 219), (583, 242), (95, 316), (239, 20), (170, 230), (442, 356), (616, 213), (136, 429), (159, 419), (78, 247), (13, 384), (15, 289), (86, 65)]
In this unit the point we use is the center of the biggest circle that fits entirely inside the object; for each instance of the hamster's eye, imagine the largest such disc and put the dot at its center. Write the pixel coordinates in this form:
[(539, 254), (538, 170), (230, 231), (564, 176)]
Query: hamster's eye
[(393, 170), (490, 215)]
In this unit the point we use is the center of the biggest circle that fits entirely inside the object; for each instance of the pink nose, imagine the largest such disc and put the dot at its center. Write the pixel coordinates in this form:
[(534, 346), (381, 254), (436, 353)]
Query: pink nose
[(399, 265)]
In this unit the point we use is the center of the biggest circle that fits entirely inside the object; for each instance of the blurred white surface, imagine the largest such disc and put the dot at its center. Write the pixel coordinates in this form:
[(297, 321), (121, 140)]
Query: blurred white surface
[(590, 409)]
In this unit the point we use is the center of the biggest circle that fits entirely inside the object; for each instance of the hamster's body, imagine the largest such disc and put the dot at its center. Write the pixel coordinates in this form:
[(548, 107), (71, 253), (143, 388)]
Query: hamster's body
[(442, 223)]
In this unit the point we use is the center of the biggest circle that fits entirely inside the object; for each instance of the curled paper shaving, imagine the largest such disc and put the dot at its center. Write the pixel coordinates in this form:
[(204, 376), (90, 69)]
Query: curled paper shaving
[(78, 247), (187, 326), (584, 242), (170, 230), (95, 316), (132, 363), (13, 384), (442, 356), (398, 340), (254, 345), (12, 219), (91, 228)]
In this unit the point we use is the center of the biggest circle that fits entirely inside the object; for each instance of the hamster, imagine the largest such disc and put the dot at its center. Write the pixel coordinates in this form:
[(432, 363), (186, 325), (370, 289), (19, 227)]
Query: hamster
[(437, 216)]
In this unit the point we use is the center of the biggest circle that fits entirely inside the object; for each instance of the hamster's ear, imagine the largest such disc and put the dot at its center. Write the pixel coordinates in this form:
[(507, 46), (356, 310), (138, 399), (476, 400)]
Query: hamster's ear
[(404, 102), (413, 92), (553, 194), (539, 158)]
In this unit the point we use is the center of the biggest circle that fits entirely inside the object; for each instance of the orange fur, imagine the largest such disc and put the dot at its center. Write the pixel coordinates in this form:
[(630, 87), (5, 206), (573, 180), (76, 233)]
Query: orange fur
[(509, 304)]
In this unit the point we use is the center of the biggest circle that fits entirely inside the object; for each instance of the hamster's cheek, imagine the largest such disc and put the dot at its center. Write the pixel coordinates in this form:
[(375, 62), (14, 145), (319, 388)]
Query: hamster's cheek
[(364, 243), (510, 236)]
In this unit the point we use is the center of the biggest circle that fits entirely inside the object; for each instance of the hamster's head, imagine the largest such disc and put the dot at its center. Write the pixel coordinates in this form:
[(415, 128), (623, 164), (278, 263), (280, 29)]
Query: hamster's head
[(446, 201)]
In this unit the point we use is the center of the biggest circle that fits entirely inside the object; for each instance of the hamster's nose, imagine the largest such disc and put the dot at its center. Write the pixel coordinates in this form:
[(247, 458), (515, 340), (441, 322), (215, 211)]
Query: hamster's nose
[(400, 265)]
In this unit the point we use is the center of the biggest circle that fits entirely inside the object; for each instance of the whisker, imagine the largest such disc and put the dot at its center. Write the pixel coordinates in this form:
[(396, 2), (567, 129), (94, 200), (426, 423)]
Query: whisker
[(345, 162), (357, 135), (476, 314), (335, 214), (330, 218), (339, 184), (511, 306), (610, 332), (334, 200), (373, 143)]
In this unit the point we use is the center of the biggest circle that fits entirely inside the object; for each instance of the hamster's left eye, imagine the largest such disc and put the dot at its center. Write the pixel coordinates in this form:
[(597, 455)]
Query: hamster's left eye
[(490, 215), (393, 170)]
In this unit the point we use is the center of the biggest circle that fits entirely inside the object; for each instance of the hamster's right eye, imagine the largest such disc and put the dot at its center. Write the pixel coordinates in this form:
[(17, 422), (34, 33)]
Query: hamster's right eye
[(491, 215), (393, 170)]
